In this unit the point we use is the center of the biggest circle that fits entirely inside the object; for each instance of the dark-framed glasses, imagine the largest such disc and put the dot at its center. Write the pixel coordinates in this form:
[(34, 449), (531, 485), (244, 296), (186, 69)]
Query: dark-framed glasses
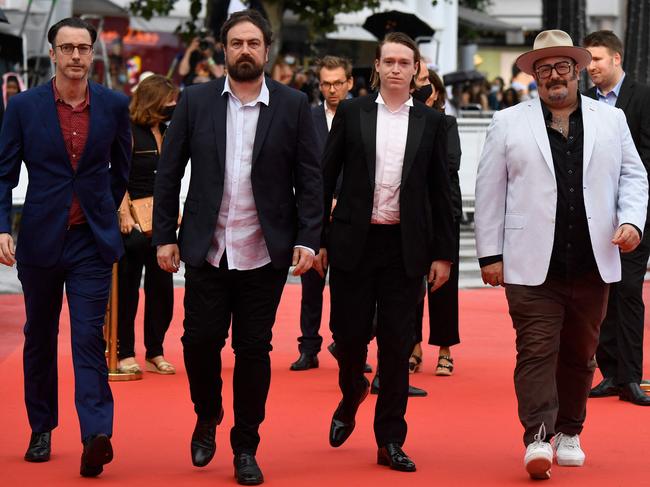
[(336, 84), (561, 68), (68, 49)]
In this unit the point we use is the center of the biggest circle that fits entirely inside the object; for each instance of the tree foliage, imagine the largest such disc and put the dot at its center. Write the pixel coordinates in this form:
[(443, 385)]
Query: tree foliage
[(318, 14)]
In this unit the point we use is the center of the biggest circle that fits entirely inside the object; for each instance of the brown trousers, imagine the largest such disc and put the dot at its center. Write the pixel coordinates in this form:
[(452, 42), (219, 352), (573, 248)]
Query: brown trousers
[(557, 325)]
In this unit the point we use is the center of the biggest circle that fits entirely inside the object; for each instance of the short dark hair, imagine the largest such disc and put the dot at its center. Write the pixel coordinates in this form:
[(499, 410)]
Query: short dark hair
[(395, 38), (334, 62), (249, 15), (75, 23), (604, 38)]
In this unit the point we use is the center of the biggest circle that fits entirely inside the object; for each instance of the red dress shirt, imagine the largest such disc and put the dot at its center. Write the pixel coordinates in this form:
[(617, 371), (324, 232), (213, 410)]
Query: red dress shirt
[(74, 123)]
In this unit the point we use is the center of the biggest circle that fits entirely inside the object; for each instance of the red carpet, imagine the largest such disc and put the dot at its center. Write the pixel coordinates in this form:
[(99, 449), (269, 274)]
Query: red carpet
[(465, 433)]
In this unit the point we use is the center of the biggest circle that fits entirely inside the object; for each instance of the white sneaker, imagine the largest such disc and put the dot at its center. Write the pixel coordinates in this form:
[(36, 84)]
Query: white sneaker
[(539, 457), (567, 450)]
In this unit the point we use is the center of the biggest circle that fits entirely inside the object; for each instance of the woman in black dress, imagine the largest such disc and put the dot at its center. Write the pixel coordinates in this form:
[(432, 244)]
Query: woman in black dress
[(152, 105), (443, 304)]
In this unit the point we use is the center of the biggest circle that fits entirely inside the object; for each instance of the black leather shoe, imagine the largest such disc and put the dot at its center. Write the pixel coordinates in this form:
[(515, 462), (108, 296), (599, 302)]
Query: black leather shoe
[(413, 391), (203, 443), (607, 387), (306, 361), (343, 421), (97, 453), (394, 457), (40, 447), (374, 386), (417, 392), (247, 471), (331, 348), (633, 393)]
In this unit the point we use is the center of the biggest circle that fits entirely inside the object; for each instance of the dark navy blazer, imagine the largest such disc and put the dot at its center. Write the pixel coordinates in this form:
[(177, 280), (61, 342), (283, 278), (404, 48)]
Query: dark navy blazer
[(31, 133)]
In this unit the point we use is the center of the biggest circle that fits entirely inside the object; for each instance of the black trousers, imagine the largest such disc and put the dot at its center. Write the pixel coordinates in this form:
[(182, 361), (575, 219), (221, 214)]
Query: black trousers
[(557, 325), (443, 307), (620, 349), (158, 292), (311, 312), (213, 298), (379, 280)]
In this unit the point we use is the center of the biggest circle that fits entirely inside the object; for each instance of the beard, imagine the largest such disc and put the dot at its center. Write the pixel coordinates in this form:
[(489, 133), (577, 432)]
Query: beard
[(245, 69), (557, 97)]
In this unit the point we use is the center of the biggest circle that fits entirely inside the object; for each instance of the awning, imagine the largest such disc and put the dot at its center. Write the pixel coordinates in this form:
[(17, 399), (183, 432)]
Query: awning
[(482, 21), (102, 8), (347, 32)]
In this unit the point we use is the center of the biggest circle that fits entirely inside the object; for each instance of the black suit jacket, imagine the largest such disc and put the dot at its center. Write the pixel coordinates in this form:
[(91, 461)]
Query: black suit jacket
[(453, 159), (320, 126), (634, 100), (425, 205), (322, 132), (285, 174)]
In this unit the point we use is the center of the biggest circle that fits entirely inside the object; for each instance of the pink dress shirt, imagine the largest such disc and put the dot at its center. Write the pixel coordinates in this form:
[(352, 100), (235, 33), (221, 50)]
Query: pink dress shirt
[(392, 129)]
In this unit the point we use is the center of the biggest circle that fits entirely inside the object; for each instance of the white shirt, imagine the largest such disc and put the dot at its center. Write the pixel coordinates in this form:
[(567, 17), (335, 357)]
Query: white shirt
[(238, 229), (392, 129), (329, 115)]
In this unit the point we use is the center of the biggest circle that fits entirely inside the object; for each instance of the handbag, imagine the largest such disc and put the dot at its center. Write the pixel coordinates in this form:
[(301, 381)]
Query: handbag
[(142, 212)]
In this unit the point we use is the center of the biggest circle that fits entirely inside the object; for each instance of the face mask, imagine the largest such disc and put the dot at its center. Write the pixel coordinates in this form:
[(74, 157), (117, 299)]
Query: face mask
[(168, 111), (423, 93)]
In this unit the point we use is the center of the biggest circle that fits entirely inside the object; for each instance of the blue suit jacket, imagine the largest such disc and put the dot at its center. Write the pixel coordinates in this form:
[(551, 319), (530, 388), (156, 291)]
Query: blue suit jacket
[(31, 133)]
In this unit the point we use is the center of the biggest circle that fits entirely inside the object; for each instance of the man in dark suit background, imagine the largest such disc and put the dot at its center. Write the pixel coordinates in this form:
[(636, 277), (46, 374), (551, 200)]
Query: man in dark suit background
[(74, 137), (253, 209), (335, 81), (392, 225), (620, 348)]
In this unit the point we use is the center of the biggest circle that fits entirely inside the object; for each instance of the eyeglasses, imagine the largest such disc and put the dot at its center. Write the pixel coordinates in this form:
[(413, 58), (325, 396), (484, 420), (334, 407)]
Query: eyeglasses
[(337, 84), (561, 68), (68, 49)]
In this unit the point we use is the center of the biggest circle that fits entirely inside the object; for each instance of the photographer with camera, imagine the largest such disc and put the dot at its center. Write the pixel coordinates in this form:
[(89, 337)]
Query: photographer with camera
[(204, 52)]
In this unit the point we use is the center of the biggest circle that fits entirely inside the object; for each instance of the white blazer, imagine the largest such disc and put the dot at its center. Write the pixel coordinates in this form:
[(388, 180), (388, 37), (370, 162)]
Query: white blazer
[(516, 190)]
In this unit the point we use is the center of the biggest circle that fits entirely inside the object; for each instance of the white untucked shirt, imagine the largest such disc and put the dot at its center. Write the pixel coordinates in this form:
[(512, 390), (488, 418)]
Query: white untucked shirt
[(238, 230)]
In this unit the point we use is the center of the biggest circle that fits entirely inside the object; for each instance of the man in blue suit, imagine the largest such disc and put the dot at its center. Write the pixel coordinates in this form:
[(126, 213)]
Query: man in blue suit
[(74, 138)]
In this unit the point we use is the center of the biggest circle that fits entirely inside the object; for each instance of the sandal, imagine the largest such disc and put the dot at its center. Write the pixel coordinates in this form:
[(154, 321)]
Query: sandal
[(415, 363), (445, 365), (160, 366), (129, 368)]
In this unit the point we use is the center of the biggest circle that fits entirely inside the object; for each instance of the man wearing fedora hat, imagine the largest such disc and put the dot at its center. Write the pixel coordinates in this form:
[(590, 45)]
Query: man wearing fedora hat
[(560, 189)]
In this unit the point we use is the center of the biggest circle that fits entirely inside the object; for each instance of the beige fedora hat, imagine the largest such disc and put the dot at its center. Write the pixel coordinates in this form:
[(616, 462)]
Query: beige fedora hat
[(552, 43)]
